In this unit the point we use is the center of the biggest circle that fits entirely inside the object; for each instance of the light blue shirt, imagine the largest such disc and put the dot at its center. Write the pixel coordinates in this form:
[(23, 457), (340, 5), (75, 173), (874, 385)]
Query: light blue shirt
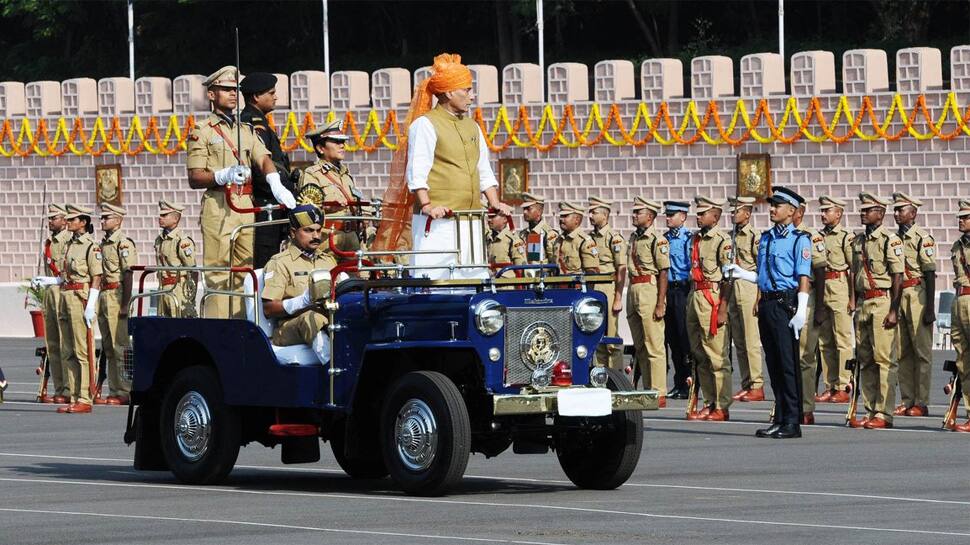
[(785, 255), (681, 244)]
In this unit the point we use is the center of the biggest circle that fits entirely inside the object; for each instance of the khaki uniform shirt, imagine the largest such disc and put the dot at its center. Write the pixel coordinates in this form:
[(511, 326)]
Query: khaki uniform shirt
[(885, 258), (576, 253), (280, 278), (713, 252), (82, 260), (919, 252), (746, 251), (549, 237), (335, 184), (819, 255), (838, 248), (960, 255), (649, 253), (612, 249), (212, 146), (118, 254), (174, 249), (58, 243), (505, 248)]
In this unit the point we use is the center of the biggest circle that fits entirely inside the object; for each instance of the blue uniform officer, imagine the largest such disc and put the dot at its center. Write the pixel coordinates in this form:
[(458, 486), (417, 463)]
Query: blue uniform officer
[(678, 276), (784, 266)]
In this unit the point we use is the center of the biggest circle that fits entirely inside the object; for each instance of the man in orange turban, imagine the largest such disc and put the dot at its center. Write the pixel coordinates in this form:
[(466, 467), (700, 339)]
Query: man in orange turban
[(448, 169)]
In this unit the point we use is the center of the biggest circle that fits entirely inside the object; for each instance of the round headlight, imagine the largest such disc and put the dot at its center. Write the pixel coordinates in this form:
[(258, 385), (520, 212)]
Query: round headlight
[(589, 314), (489, 317), (598, 377)]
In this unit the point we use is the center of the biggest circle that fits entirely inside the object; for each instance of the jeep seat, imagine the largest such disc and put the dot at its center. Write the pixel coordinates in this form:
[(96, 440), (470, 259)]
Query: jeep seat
[(297, 354)]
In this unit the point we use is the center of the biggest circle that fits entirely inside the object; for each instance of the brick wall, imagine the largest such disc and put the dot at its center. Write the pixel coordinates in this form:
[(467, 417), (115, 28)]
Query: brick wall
[(935, 171)]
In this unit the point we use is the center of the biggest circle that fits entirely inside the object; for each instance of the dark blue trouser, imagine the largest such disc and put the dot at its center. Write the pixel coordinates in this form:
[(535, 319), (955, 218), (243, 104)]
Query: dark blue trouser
[(675, 332), (781, 355)]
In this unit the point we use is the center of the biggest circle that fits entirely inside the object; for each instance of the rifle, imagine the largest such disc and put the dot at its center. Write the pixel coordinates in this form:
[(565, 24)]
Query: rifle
[(102, 370), (92, 367), (693, 386), (43, 370), (954, 389), (853, 389)]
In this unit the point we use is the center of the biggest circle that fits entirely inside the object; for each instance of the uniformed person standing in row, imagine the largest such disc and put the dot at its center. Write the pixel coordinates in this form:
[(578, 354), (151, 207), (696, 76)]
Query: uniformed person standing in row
[(539, 237), (808, 336), (916, 315), (329, 181), (784, 265), (175, 248), (576, 252), (286, 293), (646, 298), (80, 288), (835, 332), (960, 310), (503, 246), (54, 246), (707, 310), (118, 254), (259, 92), (679, 238), (877, 260), (742, 314), (216, 160), (612, 255)]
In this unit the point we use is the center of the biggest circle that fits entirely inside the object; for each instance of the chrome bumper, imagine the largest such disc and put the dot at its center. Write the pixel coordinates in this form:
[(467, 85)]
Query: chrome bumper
[(545, 402)]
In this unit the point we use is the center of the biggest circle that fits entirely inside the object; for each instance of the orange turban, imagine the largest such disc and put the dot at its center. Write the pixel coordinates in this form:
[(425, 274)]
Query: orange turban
[(449, 74)]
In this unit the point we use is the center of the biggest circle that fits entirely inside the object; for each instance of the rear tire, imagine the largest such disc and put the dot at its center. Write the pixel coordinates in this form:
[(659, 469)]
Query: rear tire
[(425, 433), (199, 432), (602, 458)]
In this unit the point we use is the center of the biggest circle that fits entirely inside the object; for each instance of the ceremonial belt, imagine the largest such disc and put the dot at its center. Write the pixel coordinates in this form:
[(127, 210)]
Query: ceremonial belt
[(235, 189), (703, 285), (74, 286), (876, 292), (170, 281), (964, 290), (110, 285), (50, 260), (912, 282), (834, 275), (780, 295), (641, 279)]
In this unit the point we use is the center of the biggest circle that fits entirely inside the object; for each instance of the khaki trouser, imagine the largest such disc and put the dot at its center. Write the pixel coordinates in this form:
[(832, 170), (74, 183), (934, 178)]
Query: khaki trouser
[(609, 355), (835, 334), (875, 355), (74, 345), (648, 335), (960, 336), (171, 304), (710, 351), (807, 360), (52, 299), (915, 348), (300, 329), (743, 329), (114, 339), (218, 221)]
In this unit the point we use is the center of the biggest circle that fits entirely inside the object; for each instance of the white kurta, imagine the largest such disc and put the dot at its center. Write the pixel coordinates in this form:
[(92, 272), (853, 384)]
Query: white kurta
[(442, 236)]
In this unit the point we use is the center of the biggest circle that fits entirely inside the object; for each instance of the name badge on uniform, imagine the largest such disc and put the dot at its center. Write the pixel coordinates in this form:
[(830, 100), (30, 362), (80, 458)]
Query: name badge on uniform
[(663, 249), (124, 253), (594, 251), (215, 140)]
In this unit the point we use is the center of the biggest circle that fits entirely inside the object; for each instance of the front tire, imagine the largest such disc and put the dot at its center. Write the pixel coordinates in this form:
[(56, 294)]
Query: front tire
[(603, 453), (199, 432), (425, 433)]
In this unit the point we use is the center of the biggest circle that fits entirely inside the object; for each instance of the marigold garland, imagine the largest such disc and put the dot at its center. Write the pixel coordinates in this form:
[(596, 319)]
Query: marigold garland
[(548, 133)]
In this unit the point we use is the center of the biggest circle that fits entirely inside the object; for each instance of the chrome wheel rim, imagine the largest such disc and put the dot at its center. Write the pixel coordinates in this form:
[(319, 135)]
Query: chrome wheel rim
[(416, 433), (193, 426)]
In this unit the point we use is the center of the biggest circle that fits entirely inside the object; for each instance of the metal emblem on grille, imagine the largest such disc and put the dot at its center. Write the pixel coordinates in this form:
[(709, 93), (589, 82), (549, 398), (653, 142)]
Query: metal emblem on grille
[(539, 345)]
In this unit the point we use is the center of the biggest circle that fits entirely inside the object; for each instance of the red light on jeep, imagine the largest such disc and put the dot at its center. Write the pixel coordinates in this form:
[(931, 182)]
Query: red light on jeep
[(562, 374)]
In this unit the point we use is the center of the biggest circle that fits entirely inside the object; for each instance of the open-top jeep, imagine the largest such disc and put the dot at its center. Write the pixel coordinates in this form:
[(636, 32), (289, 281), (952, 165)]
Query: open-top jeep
[(422, 372)]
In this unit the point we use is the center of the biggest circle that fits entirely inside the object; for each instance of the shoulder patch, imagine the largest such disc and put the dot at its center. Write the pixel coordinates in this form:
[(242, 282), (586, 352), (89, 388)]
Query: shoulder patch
[(895, 242), (928, 243), (594, 251), (663, 248), (661, 241), (268, 274), (806, 253)]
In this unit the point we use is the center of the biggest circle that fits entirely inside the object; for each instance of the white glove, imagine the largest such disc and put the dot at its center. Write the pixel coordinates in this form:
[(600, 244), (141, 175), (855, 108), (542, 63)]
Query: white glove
[(235, 174), (283, 195), (797, 321), (734, 270), (42, 281), (89, 310), (298, 303)]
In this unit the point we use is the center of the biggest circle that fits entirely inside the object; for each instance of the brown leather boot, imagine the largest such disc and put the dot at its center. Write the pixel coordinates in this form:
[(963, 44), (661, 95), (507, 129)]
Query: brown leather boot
[(965, 427), (754, 394), (739, 394), (808, 419), (701, 414), (718, 415), (918, 410), (900, 410)]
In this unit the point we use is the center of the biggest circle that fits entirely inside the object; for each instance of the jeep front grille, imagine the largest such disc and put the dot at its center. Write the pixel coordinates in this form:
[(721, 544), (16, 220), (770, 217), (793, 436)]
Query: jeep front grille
[(555, 322)]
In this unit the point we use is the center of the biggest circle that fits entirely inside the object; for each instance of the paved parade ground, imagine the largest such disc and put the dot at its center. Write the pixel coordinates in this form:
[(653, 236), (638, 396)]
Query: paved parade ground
[(68, 479)]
